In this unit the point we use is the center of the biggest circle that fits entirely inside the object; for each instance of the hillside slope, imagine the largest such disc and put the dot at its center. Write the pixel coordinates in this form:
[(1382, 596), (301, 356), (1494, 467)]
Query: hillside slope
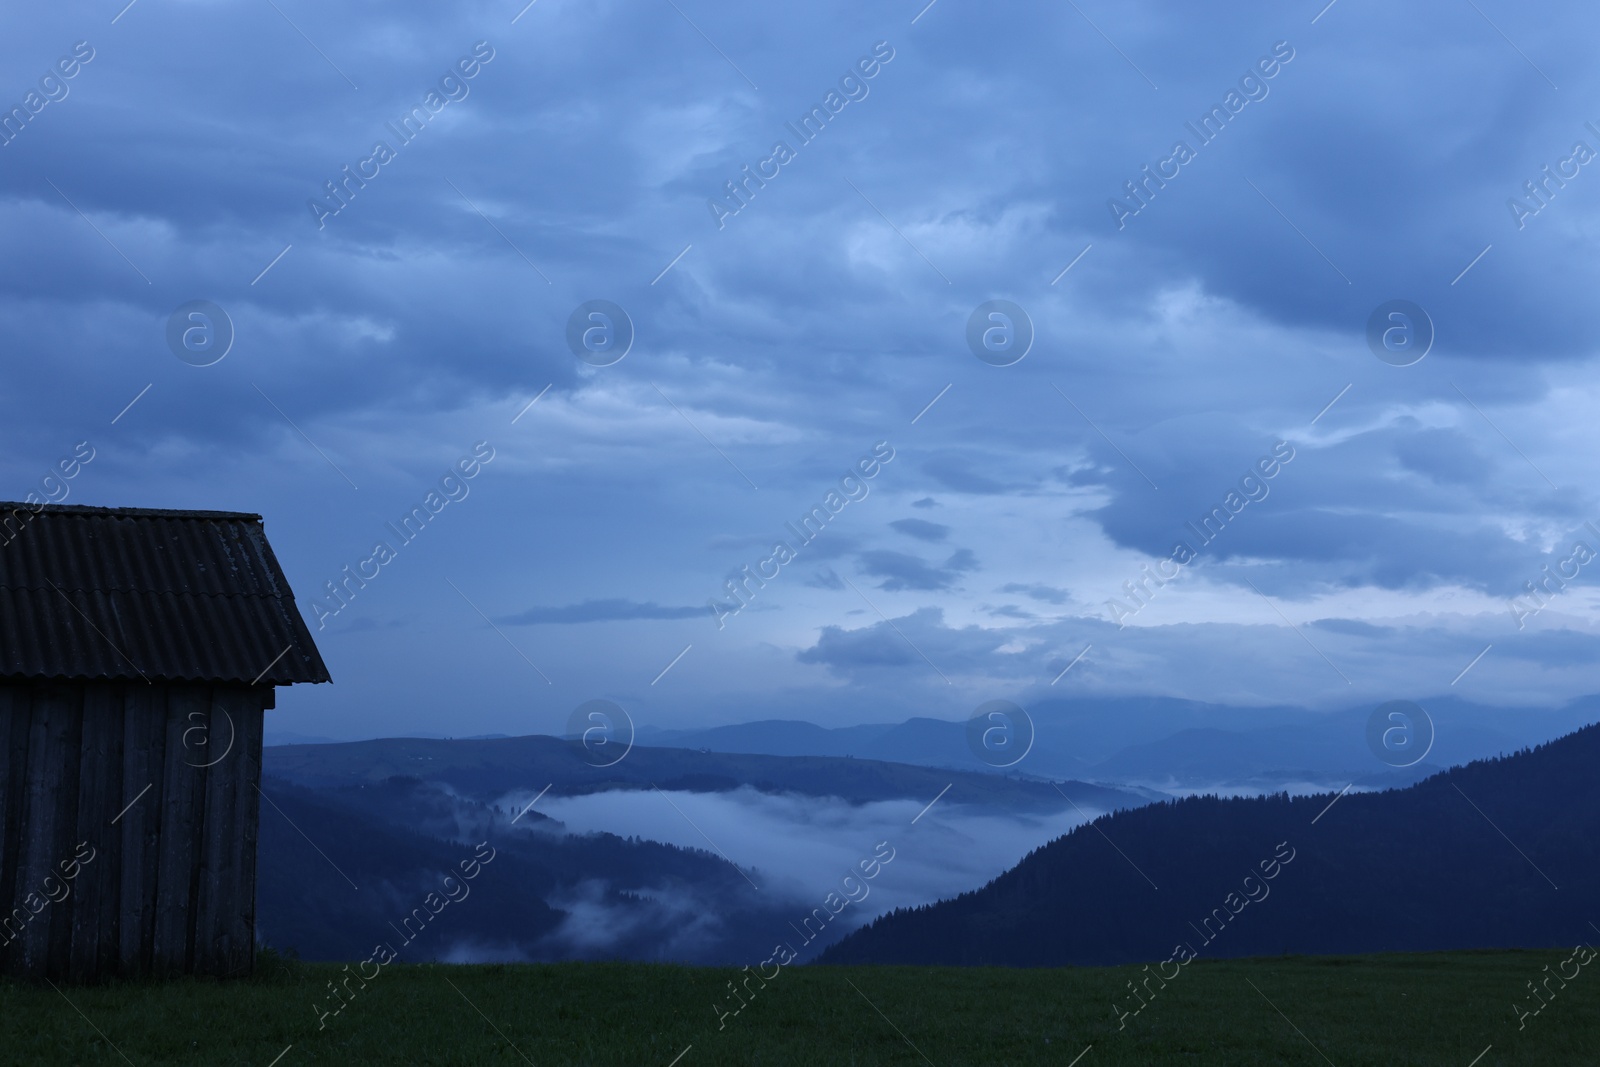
[(434, 877), (1470, 858)]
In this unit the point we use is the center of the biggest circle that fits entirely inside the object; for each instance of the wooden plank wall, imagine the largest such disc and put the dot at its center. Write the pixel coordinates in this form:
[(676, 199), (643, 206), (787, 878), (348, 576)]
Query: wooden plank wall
[(128, 828)]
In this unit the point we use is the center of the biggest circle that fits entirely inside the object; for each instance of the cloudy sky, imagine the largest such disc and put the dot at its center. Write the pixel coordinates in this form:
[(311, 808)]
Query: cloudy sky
[(405, 212)]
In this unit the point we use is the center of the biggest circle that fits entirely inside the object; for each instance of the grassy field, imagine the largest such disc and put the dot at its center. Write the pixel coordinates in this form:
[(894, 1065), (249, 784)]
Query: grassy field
[(1391, 1010)]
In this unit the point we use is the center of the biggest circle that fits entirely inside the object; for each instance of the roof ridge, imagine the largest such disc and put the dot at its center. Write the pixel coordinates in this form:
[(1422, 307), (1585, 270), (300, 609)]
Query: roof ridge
[(144, 592), (132, 513)]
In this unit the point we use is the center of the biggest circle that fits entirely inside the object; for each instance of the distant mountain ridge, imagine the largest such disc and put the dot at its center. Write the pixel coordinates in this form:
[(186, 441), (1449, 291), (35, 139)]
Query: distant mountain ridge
[(1470, 858), (1154, 743), (486, 770), (1151, 741)]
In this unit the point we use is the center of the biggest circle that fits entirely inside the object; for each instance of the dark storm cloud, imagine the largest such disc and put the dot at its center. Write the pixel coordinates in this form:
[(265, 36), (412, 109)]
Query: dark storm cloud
[(900, 570), (921, 529), (963, 474), (917, 647), (1046, 593), (1352, 627), (825, 578), (599, 611)]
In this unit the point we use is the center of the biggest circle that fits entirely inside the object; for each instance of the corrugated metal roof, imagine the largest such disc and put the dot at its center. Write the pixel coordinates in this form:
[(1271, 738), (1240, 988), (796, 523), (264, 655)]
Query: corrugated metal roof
[(139, 593)]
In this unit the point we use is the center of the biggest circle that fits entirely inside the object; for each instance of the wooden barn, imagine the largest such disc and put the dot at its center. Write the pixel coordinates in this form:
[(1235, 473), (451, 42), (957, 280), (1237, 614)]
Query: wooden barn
[(138, 652)]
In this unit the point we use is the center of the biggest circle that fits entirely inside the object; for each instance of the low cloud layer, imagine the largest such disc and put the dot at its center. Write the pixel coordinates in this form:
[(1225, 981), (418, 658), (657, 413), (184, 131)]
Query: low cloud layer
[(798, 848)]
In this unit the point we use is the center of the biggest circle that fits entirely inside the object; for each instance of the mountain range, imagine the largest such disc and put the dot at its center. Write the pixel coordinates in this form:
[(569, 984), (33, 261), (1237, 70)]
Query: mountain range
[(1470, 857), (1168, 744), (488, 769), (354, 838)]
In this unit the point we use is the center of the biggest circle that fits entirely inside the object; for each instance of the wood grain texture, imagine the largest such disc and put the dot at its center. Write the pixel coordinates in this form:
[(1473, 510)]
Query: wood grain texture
[(16, 717), (246, 780), (182, 807), (99, 778), (217, 879), (157, 781), (49, 818), (139, 827)]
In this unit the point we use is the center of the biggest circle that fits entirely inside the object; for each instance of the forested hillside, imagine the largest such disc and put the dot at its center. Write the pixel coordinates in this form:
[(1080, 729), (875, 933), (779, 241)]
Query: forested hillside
[(1502, 852)]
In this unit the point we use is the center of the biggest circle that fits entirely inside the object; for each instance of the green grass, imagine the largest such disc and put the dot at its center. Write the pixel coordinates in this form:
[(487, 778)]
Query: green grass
[(1442, 1008)]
